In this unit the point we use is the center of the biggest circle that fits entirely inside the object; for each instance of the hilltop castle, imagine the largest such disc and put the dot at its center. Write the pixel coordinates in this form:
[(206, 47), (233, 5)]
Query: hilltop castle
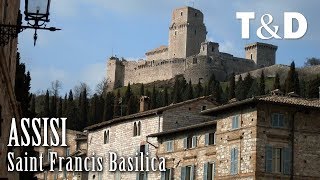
[(189, 54)]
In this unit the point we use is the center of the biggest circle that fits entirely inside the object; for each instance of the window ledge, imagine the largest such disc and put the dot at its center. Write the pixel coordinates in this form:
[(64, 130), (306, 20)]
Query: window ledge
[(189, 157)]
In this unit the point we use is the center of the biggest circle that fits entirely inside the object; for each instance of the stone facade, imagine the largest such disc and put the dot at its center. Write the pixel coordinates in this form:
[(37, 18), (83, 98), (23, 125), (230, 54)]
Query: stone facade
[(9, 107), (124, 140), (76, 146), (267, 146), (189, 54)]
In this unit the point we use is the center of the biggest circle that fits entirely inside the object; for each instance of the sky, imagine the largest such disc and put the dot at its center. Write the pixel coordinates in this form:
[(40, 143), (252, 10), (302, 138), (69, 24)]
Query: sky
[(94, 30)]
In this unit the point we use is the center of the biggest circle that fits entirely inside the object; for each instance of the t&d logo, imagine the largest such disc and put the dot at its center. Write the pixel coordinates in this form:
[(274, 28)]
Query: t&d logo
[(266, 21)]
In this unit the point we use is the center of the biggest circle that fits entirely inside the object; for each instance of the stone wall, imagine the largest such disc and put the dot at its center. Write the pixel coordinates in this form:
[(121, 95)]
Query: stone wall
[(306, 155), (8, 105)]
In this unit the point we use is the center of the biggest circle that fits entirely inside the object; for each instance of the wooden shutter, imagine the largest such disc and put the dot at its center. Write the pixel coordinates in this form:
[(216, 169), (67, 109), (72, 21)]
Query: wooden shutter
[(205, 171), (213, 170), (287, 161), (268, 158), (183, 173), (206, 139), (194, 141), (192, 173)]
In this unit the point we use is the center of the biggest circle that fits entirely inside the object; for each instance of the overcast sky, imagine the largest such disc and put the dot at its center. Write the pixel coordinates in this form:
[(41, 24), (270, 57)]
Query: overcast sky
[(94, 29)]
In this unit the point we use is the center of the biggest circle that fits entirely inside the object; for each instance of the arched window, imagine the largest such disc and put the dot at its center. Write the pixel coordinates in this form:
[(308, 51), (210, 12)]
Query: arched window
[(139, 128), (251, 55), (134, 129), (106, 137)]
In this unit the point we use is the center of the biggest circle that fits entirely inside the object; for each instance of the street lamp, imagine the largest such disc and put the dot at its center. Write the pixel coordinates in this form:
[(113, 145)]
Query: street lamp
[(36, 14)]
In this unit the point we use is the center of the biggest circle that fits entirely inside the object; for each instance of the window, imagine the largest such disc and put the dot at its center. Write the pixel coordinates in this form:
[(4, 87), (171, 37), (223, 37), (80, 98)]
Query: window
[(187, 172), (235, 122), (278, 160), (55, 176), (67, 151), (195, 60), (45, 175), (190, 142), (277, 120), (210, 138), (175, 32), (181, 13), (209, 171), (144, 148), (212, 49), (195, 32), (203, 108), (142, 175), (106, 137), (64, 173), (49, 151), (251, 56), (167, 175), (169, 146), (136, 128), (234, 161)]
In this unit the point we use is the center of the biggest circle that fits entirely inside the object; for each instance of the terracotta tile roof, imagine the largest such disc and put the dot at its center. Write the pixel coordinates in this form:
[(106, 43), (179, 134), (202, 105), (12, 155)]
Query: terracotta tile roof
[(148, 113), (282, 100), (187, 128)]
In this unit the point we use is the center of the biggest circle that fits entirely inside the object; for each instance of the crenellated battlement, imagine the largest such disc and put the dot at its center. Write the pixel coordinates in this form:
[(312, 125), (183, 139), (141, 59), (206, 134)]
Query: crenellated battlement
[(188, 54)]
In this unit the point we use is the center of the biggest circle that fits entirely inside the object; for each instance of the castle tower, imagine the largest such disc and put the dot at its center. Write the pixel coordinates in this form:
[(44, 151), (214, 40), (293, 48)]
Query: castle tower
[(209, 48), (261, 53), (186, 33), (115, 73)]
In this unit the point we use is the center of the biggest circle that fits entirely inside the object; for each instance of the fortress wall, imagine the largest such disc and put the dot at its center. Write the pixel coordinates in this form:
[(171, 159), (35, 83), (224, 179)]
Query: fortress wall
[(158, 56), (202, 67), (161, 70), (237, 65)]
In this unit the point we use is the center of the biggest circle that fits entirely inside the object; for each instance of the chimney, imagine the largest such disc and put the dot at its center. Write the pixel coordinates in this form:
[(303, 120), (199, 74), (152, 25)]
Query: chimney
[(144, 103)]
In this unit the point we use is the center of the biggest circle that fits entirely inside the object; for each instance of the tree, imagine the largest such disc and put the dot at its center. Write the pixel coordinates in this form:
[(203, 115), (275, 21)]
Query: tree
[(83, 109), (142, 90), (46, 109), (108, 106), (53, 106), (240, 91), (254, 90), (188, 94), (154, 103), (71, 112), (94, 110), (33, 105), (60, 109), (199, 89), (262, 87), (276, 84), (117, 105), (292, 80), (132, 105), (232, 88), (55, 87), (312, 61), (166, 97), (102, 87)]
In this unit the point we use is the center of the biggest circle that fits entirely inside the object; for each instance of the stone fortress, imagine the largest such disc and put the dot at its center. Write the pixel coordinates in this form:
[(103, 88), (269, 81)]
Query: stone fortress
[(189, 54)]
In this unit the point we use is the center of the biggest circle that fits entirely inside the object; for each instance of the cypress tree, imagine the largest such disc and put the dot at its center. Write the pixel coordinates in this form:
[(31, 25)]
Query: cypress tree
[(253, 90), (154, 98), (166, 97), (188, 94), (232, 88), (53, 106), (276, 84), (262, 89), (108, 106), (33, 105), (59, 111), (83, 102), (117, 105), (46, 112), (94, 109), (142, 90), (199, 89), (290, 82)]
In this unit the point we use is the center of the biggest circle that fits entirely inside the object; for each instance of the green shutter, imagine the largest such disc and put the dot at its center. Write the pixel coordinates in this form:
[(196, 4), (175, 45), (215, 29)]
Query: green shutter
[(183, 173), (235, 161), (171, 174), (206, 139), (268, 158), (192, 173), (213, 170), (287, 161), (237, 121), (205, 171), (163, 175), (137, 175), (194, 141), (185, 143), (232, 162), (145, 176)]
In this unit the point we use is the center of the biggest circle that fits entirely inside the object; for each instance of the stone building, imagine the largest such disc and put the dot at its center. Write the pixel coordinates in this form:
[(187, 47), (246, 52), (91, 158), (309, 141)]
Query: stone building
[(76, 147), (128, 134), (189, 54), (8, 105), (267, 137)]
